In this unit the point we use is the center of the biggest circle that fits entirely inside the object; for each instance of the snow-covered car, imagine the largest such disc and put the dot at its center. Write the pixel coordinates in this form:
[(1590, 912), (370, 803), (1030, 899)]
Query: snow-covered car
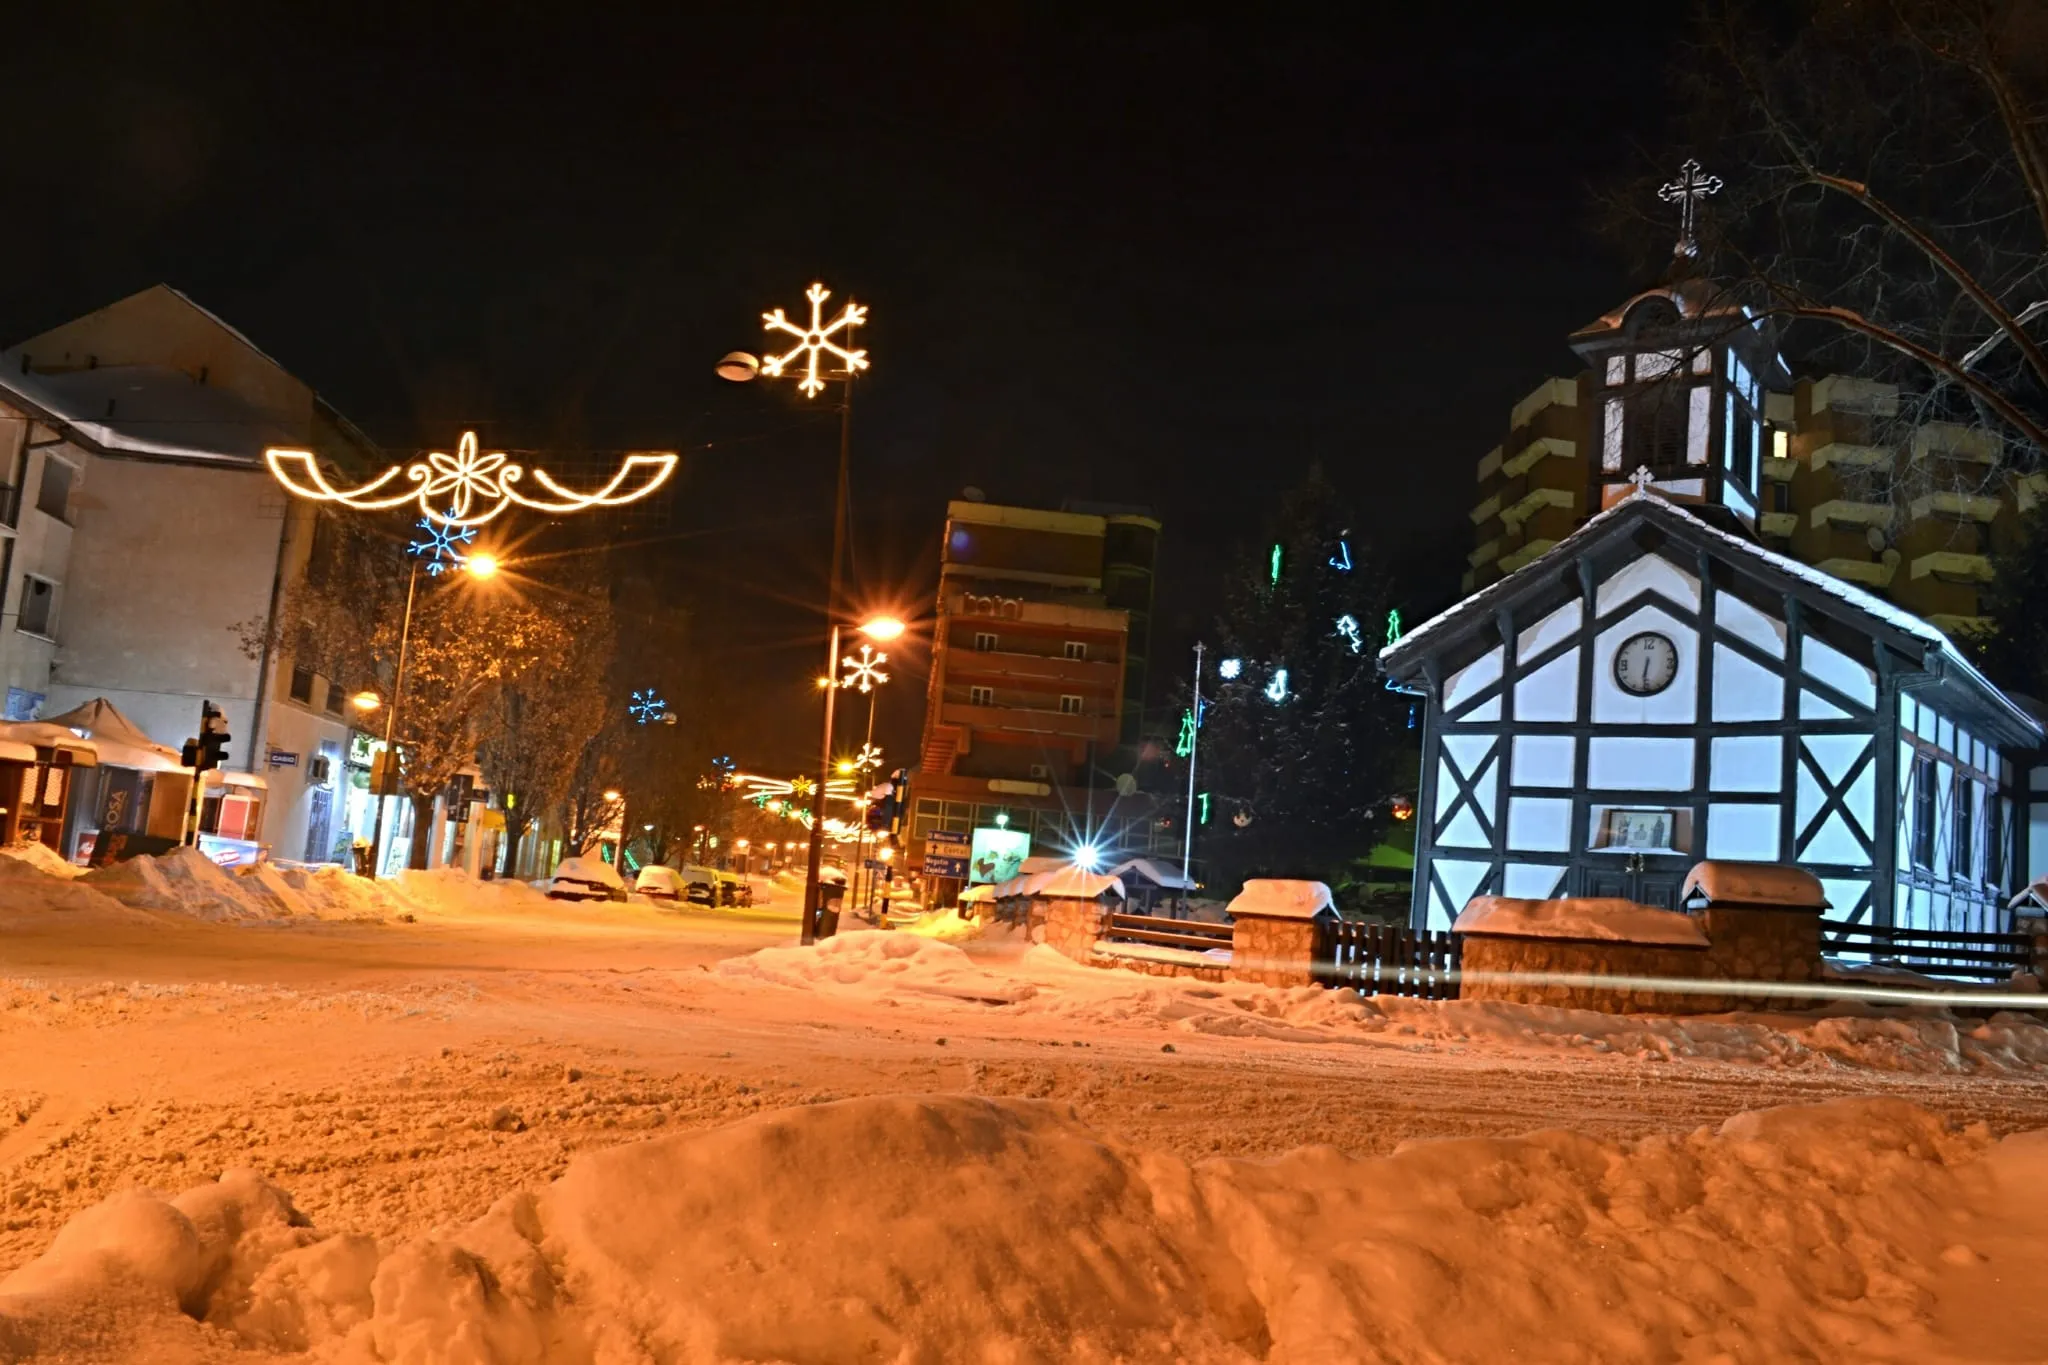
[(700, 885), (586, 879), (659, 883), (734, 889)]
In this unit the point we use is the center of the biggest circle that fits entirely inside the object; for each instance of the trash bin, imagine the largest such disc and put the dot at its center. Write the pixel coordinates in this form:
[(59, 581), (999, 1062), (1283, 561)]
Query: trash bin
[(363, 858), (828, 922)]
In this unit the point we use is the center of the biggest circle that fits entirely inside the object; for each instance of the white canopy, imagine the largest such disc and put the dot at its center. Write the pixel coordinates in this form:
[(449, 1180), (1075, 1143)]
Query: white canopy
[(19, 740), (119, 742), (1071, 883), (1157, 874)]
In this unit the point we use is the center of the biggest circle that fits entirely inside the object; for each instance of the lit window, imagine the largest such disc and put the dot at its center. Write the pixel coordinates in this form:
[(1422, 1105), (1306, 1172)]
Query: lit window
[(1070, 706)]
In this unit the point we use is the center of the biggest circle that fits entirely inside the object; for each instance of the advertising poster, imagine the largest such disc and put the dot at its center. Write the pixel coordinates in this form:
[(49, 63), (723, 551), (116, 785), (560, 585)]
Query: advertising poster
[(998, 854)]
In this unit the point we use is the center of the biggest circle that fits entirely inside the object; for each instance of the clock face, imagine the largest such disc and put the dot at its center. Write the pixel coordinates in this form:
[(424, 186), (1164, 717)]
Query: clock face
[(1645, 664)]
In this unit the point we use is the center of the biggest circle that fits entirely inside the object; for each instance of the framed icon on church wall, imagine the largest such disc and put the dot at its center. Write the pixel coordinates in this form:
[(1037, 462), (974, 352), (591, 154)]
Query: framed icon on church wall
[(1640, 829)]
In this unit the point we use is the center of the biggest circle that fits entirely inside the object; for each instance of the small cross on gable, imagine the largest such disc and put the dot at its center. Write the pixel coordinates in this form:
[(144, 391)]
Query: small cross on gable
[(1686, 192), (1642, 478)]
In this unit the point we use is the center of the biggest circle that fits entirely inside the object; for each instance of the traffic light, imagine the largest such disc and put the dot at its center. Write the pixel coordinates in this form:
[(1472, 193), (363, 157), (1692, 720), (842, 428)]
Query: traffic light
[(210, 750)]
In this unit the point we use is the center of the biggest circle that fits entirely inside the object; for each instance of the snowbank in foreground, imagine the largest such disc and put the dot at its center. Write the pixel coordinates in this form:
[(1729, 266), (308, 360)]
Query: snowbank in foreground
[(953, 1228), (878, 962)]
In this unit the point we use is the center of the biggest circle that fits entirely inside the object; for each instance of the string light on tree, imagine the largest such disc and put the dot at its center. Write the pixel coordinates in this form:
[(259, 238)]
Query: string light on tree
[(1347, 628), (1276, 690), (816, 340), (1276, 564), (1341, 561), (469, 487), (1185, 745), (1229, 669), (864, 672), (440, 544)]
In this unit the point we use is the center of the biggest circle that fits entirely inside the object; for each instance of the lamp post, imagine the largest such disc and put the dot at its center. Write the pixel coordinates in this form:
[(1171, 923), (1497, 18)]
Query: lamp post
[(814, 344), (479, 566), (875, 628)]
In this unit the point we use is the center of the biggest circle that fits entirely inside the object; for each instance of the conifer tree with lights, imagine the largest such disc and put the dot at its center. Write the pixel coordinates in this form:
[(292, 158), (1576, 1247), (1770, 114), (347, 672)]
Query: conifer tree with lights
[(1297, 732)]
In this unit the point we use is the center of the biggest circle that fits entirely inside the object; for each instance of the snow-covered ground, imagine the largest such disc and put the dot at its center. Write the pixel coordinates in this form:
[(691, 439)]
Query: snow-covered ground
[(389, 1124)]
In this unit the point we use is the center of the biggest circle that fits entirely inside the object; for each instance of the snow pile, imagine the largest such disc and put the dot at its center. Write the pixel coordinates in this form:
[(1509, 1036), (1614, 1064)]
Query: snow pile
[(452, 892), (28, 897), (185, 882), (328, 891), (43, 859), (955, 1228), (1281, 898), (1593, 918), (880, 963)]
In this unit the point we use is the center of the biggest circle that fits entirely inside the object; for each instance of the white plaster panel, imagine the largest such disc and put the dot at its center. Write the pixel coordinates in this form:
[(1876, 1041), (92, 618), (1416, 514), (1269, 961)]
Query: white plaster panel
[(1746, 763), (1561, 624), (1474, 678), (1468, 751), (1531, 881), (1635, 763), (1815, 707), (1809, 801), (1438, 914), (1677, 704), (1843, 894), (1543, 761), (1857, 682), (1746, 623), (1462, 878), (1539, 824), (1746, 833), (1464, 831), (1551, 693), (1650, 573), (1744, 689), (1835, 754), (1836, 843), (1485, 713), (1861, 800)]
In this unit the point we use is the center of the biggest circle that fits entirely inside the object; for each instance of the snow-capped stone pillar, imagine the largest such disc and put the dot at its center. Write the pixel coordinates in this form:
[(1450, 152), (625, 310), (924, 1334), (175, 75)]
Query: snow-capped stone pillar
[(1280, 932), (1762, 921)]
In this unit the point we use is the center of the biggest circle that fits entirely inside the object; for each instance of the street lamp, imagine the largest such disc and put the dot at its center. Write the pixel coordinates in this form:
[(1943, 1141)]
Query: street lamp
[(811, 345), (366, 701), (477, 566)]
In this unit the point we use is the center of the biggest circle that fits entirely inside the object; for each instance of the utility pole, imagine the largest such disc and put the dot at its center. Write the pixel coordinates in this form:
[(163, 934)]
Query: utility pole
[(1187, 846)]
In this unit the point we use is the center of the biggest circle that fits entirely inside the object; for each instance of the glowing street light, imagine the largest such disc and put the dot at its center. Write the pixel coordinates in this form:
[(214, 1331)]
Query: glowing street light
[(1088, 858), (874, 628), (366, 701)]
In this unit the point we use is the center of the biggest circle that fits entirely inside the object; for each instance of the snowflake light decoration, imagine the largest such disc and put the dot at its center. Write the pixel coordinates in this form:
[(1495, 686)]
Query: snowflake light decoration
[(647, 706), (816, 339), (469, 487), (869, 757), (1229, 669), (1347, 627), (440, 544), (1276, 690), (866, 671)]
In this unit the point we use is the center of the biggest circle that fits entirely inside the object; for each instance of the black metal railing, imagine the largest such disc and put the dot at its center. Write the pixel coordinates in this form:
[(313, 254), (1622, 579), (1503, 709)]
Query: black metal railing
[(1931, 952), (1392, 959), (1197, 936)]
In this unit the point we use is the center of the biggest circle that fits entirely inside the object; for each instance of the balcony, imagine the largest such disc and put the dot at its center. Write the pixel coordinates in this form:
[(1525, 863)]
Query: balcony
[(1550, 393), (1779, 470), (1864, 571), (1849, 512), (1000, 668), (1952, 566), (1486, 511), (1849, 456), (1526, 458), (1951, 441), (2030, 490), (1961, 506), (1779, 524), (1485, 554), (1512, 562), (1535, 501), (1059, 726)]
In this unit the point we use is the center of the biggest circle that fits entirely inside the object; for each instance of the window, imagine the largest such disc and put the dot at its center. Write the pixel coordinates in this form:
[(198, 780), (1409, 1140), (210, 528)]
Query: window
[(1077, 649), (15, 464), (1070, 706), (1781, 496), (38, 605), (302, 685), (1997, 822), (984, 640), (1041, 770), (1923, 812), (981, 696), (54, 498), (334, 697), (1962, 812)]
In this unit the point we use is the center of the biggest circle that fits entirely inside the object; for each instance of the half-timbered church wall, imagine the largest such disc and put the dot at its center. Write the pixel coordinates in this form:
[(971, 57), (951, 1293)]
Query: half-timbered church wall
[(1655, 690)]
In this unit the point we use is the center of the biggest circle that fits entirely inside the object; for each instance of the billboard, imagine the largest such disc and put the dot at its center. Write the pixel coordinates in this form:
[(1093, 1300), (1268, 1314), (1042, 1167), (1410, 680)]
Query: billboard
[(998, 854)]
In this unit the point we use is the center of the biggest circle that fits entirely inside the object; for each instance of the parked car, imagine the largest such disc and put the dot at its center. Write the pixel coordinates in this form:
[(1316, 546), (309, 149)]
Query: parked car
[(586, 879), (734, 889), (700, 885), (659, 883)]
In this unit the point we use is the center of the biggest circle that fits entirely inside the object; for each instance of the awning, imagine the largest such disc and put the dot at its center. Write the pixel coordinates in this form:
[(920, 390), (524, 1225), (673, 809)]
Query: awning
[(119, 742), (19, 740), (216, 777)]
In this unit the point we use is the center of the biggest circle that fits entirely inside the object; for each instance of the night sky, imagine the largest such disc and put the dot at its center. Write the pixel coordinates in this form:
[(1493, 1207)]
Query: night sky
[(1159, 263)]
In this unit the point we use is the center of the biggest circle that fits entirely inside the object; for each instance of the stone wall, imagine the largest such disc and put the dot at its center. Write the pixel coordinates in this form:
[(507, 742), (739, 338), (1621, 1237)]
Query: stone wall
[(1752, 944), (1071, 927), (1277, 952), (1484, 953)]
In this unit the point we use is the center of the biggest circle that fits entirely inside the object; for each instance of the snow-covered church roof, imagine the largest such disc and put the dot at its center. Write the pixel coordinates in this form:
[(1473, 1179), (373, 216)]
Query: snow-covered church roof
[(1937, 653)]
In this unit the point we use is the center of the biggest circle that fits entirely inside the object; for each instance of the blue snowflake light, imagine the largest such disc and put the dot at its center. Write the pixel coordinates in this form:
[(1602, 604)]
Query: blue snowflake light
[(440, 544), (647, 706)]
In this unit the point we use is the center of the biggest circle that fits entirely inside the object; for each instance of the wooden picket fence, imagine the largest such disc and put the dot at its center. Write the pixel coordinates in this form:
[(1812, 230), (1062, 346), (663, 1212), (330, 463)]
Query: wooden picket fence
[(1392, 959), (1196, 936)]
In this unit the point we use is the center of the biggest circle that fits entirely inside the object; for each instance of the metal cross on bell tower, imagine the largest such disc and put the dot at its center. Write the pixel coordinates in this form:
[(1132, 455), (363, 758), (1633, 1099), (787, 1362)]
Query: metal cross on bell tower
[(1686, 192)]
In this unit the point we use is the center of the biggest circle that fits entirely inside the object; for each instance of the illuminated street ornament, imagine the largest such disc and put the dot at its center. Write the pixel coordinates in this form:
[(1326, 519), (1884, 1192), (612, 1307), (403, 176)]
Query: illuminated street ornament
[(469, 487), (1185, 745), (1088, 857), (816, 340), (1229, 669), (647, 707), (1204, 799), (1347, 627), (1686, 192), (1276, 564), (1393, 625), (869, 757), (1276, 690), (1341, 561), (864, 672), (441, 545)]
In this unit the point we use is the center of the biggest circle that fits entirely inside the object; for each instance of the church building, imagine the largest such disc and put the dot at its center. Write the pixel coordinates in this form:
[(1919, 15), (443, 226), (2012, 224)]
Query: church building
[(1656, 689)]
